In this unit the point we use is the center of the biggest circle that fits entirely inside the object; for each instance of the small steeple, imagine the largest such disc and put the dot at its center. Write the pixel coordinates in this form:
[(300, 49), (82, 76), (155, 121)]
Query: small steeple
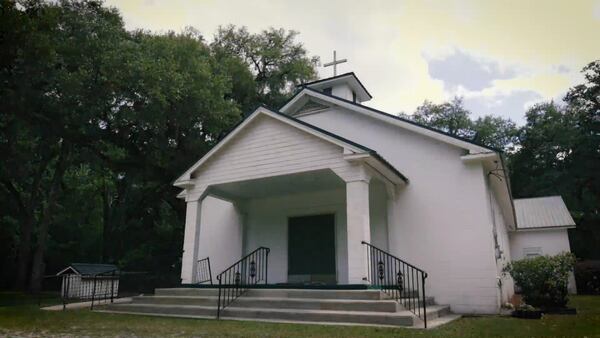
[(345, 86)]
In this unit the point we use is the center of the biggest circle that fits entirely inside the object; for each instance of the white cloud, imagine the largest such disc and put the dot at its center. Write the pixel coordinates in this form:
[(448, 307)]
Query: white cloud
[(461, 69), (512, 104)]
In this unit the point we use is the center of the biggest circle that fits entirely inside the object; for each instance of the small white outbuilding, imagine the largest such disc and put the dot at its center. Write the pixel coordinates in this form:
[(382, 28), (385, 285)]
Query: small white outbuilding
[(83, 280), (543, 224)]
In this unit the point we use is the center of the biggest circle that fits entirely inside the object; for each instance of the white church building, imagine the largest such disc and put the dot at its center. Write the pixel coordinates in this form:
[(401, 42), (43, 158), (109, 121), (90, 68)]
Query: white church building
[(440, 202), (341, 195)]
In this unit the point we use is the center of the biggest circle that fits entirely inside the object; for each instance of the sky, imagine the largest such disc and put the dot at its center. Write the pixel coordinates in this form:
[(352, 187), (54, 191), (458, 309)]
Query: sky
[(500, 56)]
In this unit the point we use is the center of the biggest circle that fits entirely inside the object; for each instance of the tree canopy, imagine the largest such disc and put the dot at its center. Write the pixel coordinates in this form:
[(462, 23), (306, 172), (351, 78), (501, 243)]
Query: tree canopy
[(277, 61), (559, 154), (96, 121), (453, 118)]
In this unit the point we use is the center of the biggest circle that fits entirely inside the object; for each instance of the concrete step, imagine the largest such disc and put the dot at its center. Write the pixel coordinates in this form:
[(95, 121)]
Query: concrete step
[(279, 293), (365, 307), (412, 302), (317, 294), (176, 300), (163, 309), (279, 303), (287, 303), (199, 292), (401, 318), (436, 311)]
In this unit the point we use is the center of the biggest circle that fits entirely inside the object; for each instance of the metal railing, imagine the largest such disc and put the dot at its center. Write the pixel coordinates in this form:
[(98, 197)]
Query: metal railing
[(403, 281), (90, 288), (104, 287), (236, 279), (203, 273)]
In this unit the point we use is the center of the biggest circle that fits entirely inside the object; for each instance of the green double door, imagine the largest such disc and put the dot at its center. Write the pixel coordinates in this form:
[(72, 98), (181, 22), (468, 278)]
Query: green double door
[(311, 249)]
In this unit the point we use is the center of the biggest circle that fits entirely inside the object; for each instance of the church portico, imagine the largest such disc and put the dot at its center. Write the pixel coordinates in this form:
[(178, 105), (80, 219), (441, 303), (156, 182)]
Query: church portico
[(280, 177), (312, 222)]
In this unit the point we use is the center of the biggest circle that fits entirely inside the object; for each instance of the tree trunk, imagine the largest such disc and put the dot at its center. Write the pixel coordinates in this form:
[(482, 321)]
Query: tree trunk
[(26, 220), (24, 252), (38, 265), (28, 208), (107, 225)]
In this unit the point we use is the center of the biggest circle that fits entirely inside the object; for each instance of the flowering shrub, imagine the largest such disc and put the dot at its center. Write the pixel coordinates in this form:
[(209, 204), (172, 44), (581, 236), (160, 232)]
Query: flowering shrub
[(543, 280)]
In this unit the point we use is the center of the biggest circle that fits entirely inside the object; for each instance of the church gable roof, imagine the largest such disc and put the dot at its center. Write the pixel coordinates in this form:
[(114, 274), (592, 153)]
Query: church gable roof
[(350, 148), (300, 98)]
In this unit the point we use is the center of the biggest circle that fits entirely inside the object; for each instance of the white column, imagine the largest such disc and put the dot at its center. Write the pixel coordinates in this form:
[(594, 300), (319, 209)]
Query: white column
[(358, 229), (392, 227), (191, 241)]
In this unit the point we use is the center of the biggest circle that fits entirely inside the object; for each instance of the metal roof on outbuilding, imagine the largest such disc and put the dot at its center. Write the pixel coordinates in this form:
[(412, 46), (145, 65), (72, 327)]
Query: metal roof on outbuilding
[(542, 212), (87, 269)]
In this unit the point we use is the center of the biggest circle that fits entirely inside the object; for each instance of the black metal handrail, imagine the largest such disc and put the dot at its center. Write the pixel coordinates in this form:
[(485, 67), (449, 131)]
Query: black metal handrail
[(234, 281), (105, 290), (80, 288), (403, 281), (204, 274)]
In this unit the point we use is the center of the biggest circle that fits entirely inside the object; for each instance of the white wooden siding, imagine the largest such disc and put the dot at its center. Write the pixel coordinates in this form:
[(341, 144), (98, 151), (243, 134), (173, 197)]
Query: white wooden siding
[(268, 147)]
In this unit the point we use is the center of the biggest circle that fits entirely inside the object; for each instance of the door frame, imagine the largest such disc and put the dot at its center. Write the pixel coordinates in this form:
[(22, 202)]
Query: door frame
[(335, 237)]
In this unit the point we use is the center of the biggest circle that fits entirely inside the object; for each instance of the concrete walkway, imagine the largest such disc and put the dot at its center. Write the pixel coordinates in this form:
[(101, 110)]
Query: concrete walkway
[(83, 305)]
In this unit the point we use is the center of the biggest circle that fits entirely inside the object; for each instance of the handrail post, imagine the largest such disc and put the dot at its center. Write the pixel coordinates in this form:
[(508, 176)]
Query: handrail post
[(93, 293), (209, 270), (112, 287), (219, 299), (423, 276), (65, 292), (267, 266)]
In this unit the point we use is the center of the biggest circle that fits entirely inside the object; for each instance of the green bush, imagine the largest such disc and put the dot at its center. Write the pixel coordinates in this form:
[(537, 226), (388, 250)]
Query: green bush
[(543, 280)]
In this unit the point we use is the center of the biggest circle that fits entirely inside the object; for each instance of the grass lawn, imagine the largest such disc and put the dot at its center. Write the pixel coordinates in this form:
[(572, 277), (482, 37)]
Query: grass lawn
[(29, 321)]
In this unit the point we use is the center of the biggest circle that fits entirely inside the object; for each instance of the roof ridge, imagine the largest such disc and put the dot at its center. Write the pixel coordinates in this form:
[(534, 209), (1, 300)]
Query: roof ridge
[(396, 117)]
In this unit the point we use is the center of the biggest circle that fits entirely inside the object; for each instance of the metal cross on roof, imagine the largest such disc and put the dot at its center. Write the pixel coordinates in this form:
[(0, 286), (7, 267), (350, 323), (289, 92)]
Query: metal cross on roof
[(334, 63)]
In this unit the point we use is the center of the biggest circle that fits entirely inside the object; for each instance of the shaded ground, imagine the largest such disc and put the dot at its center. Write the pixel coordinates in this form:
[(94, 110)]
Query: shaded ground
[(29, 321)]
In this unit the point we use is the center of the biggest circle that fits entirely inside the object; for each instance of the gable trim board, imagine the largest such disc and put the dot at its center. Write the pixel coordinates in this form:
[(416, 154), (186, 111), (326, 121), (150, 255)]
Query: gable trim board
[(350, 148)]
